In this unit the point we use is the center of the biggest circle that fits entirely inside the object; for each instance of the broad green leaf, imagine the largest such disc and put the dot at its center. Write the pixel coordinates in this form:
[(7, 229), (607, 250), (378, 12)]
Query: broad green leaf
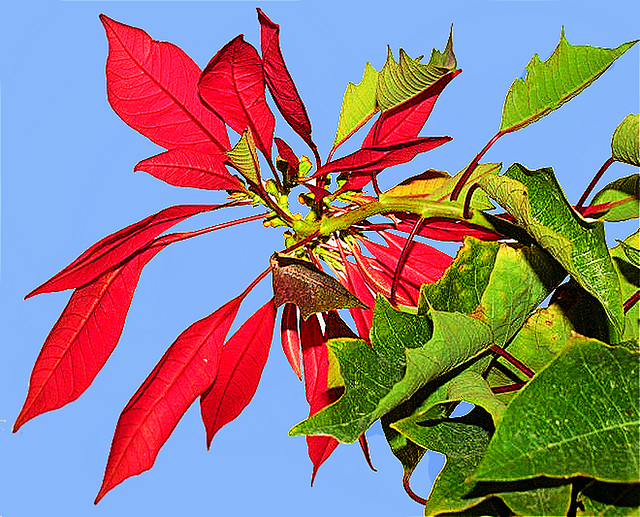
[(406, 352), (610, 499), (591, 428), (464, 440), (482, 299), (401, 80), (632, 253), (549, 84), (623, 196), (498, 283), (629, 276), (537, 202), (358, 105), (312, 290), (244, 158), (543, 336), (625, 144)]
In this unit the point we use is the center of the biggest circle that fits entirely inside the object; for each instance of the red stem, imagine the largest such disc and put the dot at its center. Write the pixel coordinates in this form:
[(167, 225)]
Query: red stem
[(300, 243), (635, 297), (508, 388), (502, 352), (466, 211), (472, 166), (364, 445), (411, 493), (403, 258), (593, 183)]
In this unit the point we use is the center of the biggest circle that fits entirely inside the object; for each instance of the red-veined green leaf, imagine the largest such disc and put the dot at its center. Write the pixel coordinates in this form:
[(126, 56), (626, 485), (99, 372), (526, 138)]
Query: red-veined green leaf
[(194, 169), (281, 85), (152, 86), (290, 337), (233, 86), (117, 247), (241, 363), (82, 339), (185, 371)]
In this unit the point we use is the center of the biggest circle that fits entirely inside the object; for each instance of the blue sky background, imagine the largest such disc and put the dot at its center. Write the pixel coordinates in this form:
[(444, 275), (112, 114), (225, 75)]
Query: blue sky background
[(67, 181)]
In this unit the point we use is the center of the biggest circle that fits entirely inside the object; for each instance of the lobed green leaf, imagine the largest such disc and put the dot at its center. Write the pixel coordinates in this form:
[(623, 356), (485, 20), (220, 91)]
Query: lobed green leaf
[(549, 84), (540, 207)]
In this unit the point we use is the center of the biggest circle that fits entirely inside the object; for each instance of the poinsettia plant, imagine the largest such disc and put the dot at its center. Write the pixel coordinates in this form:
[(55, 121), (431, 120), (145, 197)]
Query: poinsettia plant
[(555, 423)]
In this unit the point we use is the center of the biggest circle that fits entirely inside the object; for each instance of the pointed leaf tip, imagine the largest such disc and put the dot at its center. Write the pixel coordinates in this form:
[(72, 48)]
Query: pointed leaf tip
[(312, 290)]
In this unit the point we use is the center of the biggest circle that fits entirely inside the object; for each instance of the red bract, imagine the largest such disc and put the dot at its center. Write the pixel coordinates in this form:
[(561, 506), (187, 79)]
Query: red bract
[(377, 157), (405, 121), (152, 86), (445, 229), (185, 371), (241, 363), (82, 339), (187, 168), (281, 85), (290, 337), (315, 361), (352, 279), (232, 85)]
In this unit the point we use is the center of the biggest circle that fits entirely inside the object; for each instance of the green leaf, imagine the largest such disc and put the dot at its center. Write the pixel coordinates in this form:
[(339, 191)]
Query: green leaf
[(401, 80), (437, 186), (632, 253), (625, 144), (629, 275), (464, 440), (610, 499), (496, 284), (358, 105), (244, 158), (548, 85), (312, 290), (539, 205), (622, 199), (591, 428), (406, 352)]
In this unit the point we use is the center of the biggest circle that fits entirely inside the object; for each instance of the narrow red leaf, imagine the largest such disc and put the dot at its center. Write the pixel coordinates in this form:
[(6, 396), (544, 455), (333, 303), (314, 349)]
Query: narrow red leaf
[(378, 157), (287, 154), (241, 363), (233, 86), (315, 360), (82, 339), (185, 371), (283, 89), (187, 168), (406, 120), (364, 446), (117, 247), (363, 318), (379, 277), (152, 86), (290, 337), (425, 264)]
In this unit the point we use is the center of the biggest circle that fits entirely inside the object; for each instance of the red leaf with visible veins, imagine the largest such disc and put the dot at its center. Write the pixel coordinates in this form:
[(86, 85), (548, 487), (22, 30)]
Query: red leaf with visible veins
[(283, 89), (187, 168), (185, 371), (290, 337), (241, 363), (406, 120), (374, 158), (82, 339), (315, 360), (425, 264), (233, 86), (117, 247), (152, 86)]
